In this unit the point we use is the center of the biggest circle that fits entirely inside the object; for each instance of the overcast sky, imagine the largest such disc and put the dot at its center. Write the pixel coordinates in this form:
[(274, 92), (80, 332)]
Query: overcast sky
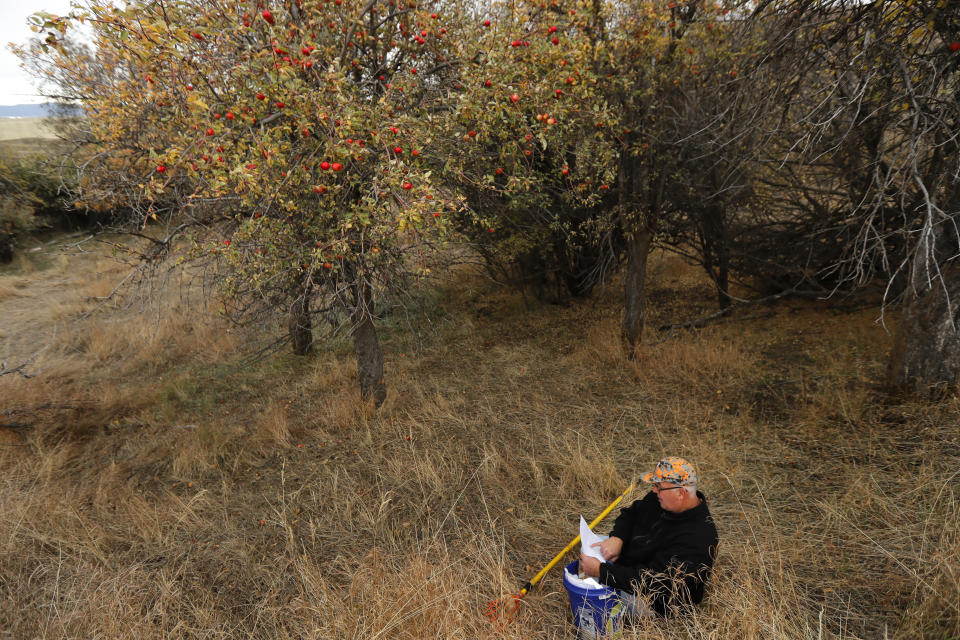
[(15, 85)]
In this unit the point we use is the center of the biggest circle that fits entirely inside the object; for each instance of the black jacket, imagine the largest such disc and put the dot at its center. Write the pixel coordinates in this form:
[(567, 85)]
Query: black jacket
[(666, 556)]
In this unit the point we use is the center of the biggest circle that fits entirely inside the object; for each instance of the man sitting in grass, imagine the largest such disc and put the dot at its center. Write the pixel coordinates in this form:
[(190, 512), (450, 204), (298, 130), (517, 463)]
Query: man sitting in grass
[(662, 547)]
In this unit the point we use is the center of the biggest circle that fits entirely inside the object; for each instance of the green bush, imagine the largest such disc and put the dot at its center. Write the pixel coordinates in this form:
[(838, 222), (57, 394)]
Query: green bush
[(51, 189)]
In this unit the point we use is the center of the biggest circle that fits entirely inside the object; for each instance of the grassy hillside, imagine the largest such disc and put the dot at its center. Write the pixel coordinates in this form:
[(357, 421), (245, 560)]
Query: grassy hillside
[(20, 128), (158, 478)]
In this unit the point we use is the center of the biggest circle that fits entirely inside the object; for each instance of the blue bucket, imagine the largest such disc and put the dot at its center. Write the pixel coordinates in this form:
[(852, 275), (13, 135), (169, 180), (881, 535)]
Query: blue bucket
[(596, 612)]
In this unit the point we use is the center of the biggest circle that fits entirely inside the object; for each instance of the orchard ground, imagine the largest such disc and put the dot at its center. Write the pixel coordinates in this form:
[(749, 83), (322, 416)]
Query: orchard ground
[(159, 479)]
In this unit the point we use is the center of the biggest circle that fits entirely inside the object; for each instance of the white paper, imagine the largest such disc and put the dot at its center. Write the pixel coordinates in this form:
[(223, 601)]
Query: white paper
[(583, 583), (587, 538)]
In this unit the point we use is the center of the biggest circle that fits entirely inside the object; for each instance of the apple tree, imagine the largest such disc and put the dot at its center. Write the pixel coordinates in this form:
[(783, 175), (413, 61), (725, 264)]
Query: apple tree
[(284, 140), (585, 123), (514, 143)]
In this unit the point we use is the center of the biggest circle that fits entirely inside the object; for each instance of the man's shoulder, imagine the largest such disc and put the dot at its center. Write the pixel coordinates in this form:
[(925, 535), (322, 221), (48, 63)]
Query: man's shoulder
[(647, 505), (650, 499), (704, 521)]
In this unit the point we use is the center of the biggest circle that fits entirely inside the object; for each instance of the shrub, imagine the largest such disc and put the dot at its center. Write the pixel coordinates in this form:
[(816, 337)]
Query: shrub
[(16, 211)]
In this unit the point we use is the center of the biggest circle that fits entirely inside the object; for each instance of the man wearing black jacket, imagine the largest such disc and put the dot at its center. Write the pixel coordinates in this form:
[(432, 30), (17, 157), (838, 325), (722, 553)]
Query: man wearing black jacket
[(662, 546)]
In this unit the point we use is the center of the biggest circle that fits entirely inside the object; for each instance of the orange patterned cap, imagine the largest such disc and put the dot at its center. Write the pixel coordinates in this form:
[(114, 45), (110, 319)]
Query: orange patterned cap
[(673, 469)]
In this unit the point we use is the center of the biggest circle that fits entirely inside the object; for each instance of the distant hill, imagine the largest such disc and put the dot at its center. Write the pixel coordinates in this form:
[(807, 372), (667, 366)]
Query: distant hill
[(26, 110)]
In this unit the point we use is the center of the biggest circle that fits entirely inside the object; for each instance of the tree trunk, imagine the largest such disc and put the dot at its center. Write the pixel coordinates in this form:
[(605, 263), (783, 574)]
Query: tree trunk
[(926, 351), (634, 285), (366, 347), (300, 326), (716, 250)]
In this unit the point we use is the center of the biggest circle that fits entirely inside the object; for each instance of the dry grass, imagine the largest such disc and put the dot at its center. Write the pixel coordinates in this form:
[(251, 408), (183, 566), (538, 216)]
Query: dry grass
[(25, 130), (184, 492)]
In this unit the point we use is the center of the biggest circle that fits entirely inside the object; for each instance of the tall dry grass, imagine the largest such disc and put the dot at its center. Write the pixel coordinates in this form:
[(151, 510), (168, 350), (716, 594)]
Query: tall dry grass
[(190, 493)]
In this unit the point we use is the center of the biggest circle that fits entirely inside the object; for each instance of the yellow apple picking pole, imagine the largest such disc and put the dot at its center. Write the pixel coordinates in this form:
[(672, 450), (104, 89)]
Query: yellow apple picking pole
[(501, 611)]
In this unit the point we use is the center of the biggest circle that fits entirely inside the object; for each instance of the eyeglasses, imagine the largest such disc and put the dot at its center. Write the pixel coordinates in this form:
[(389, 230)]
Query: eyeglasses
[(658, 488)]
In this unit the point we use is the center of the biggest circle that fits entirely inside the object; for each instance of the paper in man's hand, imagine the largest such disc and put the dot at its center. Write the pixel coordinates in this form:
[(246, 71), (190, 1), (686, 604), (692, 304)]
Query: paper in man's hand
[(587, 538)]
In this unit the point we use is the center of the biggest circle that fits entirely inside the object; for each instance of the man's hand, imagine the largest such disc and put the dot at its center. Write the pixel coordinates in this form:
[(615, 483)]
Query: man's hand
[(589, 566), (610, 548)]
